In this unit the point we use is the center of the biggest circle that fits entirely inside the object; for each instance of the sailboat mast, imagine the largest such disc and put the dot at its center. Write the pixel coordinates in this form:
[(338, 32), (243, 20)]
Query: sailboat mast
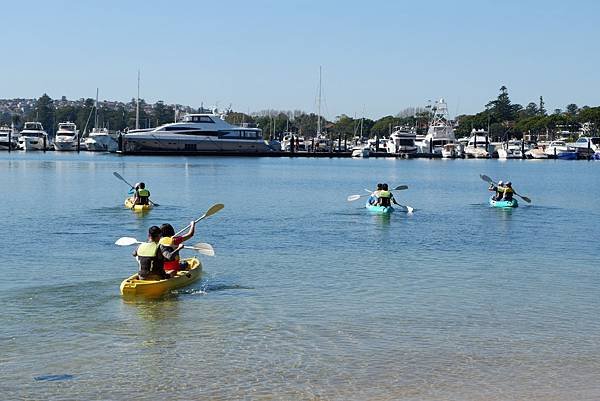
[(319, 106), (137, 105), (96, 111)]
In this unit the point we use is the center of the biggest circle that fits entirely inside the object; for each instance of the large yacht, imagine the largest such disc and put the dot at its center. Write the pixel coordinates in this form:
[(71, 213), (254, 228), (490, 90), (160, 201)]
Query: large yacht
[(5, 144), (402, 141), (33, 137), (197, 133), (440, 131), (66, 136), (100, 140), (478, 145)]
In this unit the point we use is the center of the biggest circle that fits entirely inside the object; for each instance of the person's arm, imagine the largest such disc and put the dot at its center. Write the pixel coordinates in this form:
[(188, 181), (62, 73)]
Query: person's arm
[(169, 255), (190, 233)]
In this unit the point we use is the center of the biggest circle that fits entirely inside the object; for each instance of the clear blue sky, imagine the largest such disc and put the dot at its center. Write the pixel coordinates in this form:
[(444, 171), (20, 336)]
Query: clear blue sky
[(378, 57)]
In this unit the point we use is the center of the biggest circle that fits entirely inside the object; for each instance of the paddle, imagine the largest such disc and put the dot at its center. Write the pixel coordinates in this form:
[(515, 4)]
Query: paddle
[(352, 198), (201, 247), (132, 187), (490, 181), (212, 210)]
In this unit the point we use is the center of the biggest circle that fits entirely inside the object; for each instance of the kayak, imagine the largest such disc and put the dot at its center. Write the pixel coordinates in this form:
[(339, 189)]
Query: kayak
[(133, 286), (379, 209), (137, 208), (504, 204)]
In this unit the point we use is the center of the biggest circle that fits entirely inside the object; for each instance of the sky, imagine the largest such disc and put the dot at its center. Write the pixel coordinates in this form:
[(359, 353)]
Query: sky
[(377, 57)]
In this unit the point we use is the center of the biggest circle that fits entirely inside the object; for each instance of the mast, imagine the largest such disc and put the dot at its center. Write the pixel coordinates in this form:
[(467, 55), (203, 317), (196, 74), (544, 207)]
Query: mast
[(96, 111), (137, 105), (319, 106)]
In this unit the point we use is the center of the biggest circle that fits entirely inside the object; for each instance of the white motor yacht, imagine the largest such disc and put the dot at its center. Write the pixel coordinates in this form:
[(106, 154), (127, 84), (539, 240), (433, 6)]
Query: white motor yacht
[(197, 133), (33, 136), (361, 152), (511, 150), (561, 150), (536, 153), (440, 131), (299, 143), (382, 145), (402, 141), (100, 140), (5, 144), (452, 150), (66, 136), (477, 145)]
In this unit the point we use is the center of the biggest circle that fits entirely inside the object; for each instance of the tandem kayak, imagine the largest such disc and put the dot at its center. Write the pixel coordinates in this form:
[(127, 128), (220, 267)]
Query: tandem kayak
[(133, 286), (137, 208), (504, 204), (379, 209)]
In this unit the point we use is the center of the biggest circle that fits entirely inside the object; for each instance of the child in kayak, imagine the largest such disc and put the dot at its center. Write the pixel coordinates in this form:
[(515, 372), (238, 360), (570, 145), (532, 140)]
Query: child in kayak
[(508, 192), (171, 244), (151, 259), (498, 190), (386, 198), (142, 195), (375, 195)]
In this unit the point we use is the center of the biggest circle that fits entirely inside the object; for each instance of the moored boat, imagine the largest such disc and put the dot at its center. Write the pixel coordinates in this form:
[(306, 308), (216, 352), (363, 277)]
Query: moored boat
[(133, 286), (379, 209), (503, 204), (137, 208)]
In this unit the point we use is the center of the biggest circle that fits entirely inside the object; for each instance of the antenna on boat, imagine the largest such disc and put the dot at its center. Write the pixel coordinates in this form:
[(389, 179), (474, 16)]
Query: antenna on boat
[(137, 105), (319, 106)]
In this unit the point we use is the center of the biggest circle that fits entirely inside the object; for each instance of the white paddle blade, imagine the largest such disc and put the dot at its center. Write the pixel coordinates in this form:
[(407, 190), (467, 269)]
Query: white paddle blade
[(409, 209), (203, 248), (352, 198), (126, 241)]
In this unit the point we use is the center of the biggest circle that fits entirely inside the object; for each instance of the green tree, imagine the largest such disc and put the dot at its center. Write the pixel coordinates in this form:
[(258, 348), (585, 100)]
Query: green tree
[(572, 109), (541, 109), (44, 112)]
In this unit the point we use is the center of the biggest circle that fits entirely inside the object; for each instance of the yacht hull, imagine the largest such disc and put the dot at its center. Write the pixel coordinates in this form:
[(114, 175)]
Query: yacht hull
[(31, 143), (133, 143)]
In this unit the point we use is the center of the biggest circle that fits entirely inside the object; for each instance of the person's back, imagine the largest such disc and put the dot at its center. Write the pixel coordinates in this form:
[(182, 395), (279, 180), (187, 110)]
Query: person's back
[(373, 199), (508, 192), (142, 195), (150, 260)]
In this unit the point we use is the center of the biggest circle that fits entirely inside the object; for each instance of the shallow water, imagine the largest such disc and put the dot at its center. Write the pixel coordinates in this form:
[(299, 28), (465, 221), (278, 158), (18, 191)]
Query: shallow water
[(309, 296)]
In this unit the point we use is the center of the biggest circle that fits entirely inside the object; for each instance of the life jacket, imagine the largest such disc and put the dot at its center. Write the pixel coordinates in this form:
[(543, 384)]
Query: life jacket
[(508, 193), (146, 257), (170, 264), (143, 192), (385, 198)]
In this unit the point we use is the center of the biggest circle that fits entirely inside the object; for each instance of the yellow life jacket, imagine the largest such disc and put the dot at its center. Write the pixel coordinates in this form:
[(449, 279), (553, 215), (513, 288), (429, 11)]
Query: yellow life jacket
[(143, 192), (147, 249), (385, 194), (168, 241)]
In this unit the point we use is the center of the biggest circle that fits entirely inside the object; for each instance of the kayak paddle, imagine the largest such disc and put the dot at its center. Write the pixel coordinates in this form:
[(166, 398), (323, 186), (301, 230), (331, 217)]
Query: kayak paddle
[(352, 198), (201, 247), (132, 187), (212, 210), (490, 181)]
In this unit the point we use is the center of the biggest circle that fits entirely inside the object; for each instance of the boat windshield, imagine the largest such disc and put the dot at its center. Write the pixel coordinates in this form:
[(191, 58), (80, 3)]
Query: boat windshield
[(596, 141)]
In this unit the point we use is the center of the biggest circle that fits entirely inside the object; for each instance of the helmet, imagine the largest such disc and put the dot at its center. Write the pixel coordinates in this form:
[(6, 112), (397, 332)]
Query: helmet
[(500, 182)]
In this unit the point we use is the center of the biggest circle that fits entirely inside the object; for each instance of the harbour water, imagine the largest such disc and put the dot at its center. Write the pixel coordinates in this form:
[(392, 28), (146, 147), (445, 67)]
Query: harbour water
[(309, 296)]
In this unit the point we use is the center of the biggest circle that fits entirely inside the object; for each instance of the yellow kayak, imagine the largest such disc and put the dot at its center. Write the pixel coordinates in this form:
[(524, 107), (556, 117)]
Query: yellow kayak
[(133, 286), (137, 208)]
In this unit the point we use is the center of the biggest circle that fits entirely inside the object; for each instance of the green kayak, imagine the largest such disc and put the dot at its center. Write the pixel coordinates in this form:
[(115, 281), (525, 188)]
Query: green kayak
[(379, 209), (504, 204)]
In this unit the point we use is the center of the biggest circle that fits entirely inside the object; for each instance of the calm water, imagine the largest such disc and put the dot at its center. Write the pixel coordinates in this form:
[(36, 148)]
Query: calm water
[(309, 297)]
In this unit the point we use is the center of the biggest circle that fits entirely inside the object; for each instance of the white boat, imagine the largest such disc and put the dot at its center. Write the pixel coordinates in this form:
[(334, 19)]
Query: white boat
[(536, 153), (476, 146), (66, 136), (378, 144), (100, 140), (33, 136), (402, 141), (560, 150), (440, 131), (452, 150), (587, 146), (197, 133), (5, 144), (361, 152), (299, 143), (511, 150)]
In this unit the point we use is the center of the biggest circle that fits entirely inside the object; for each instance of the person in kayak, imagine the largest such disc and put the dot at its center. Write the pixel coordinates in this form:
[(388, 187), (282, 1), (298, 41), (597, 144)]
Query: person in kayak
[(142, 195), (386, 197), (498, 190), (508, 192), (172, 244), (375, 195), (151, 258)]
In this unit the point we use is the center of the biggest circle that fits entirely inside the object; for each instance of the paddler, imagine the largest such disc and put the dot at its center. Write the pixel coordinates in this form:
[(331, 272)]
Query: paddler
[(142, 195), (386, 198), (151, 258), (172, 244), (508, 192), (375, 195), (498, 190)]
